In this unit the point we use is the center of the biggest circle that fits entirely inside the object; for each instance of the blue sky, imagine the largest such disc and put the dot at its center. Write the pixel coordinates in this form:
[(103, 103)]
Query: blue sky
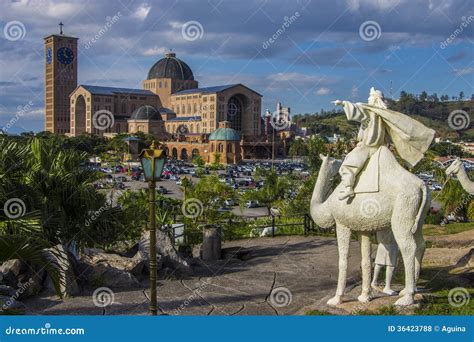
[(319, 50)]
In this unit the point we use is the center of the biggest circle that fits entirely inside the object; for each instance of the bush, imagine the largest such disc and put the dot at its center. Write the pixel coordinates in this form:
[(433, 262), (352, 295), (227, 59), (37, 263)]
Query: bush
[(434, 218)]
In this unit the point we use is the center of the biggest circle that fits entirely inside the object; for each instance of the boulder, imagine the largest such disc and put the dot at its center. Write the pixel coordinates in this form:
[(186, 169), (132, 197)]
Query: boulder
[(165, 249), (133, 265), (24, 278), (64, 261), (104, 274), (8, 303)]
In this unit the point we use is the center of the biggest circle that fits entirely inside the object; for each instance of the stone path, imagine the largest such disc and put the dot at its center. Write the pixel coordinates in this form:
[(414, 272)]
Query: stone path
[(255, 277)]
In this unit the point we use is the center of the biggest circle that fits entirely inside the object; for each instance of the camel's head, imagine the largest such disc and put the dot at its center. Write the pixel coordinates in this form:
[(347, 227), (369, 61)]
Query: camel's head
[(454, 167), (330, 165)]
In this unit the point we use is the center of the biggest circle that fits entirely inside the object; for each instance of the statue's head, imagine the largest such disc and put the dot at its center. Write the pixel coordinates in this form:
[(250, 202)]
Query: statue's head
[(376, 98), (330, 164)]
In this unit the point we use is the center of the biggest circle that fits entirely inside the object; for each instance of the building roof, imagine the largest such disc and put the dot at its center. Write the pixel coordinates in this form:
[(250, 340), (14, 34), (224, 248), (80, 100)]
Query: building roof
[(146, 113), (224, 134), (99, 90), (171, 67), (215, 89), (185, 118)]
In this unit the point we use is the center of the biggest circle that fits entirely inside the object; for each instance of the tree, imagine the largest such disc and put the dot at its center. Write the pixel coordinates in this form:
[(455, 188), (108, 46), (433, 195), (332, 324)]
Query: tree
[(461, 96), (423, 96), (274, 188)]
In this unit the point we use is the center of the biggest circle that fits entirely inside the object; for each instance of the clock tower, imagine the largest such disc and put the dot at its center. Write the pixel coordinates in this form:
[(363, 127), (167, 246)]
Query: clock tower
[(60, 60)]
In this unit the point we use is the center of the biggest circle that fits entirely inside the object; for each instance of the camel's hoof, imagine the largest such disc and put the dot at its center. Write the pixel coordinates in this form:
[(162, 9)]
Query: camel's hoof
[(336, 300), (405, 301), (402, 292), (374, 286), (389, 291), (364, 298)]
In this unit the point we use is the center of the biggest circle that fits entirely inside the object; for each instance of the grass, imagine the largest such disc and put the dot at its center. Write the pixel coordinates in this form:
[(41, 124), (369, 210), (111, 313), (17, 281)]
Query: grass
[(317, 313), (452, 228)]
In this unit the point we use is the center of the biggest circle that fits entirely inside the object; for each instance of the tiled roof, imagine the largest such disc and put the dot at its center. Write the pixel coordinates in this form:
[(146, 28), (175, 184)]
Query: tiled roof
[(99, 90), (185, 118), (215, 89)]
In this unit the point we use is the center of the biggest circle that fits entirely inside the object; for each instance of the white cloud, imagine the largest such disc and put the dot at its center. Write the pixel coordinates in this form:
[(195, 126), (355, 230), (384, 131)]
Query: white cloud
[(142, 12), (323, 91), (464, 71), (154, 51)]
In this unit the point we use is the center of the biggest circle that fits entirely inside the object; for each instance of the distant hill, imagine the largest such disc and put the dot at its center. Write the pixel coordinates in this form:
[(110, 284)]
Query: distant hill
[(432, 113)]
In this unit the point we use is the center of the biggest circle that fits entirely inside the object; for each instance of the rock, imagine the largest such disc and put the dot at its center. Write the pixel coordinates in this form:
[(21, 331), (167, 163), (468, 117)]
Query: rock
[(64, 262), (7, 291), (11, 270), (25, 279), (103, 274), (443, 257), (133, 265), (10, 303), (460, 240), (164, 247)]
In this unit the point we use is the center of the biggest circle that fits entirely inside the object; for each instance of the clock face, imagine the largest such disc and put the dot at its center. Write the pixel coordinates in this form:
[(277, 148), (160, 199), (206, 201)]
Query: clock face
[(65, 55), (49, 55)]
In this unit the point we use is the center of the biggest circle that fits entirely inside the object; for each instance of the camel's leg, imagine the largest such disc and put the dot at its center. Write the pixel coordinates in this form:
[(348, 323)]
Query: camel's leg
[(405, 210), (366, 265), (420, 251), (343, 240)]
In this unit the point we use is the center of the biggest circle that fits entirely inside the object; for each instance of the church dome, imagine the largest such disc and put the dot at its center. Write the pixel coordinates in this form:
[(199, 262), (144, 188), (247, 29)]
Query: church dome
[(171, 67), (146, 113), (224, 134)]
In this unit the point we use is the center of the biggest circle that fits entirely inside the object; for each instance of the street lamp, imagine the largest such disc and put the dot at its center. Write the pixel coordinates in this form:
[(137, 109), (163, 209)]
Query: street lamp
[(153, 161)]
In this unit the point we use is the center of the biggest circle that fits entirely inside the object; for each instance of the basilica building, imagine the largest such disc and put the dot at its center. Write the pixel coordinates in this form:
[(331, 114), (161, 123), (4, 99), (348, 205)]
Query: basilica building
[(220, 123)]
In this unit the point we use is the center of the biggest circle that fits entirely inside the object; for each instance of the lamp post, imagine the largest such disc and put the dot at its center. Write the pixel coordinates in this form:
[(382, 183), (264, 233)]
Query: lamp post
[(153, 161)]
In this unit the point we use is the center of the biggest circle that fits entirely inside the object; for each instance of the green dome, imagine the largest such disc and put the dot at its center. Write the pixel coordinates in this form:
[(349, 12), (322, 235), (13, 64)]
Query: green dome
[(224, 134)]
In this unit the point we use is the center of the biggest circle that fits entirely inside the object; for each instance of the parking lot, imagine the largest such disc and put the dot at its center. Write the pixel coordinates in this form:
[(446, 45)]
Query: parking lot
[(239, 177)]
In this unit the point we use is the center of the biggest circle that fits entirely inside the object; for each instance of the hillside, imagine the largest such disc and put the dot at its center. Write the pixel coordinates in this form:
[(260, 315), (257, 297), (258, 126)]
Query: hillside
[(433, 114)]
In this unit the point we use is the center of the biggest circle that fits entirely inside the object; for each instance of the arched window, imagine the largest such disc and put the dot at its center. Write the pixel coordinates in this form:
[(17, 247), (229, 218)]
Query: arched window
[(229, 148), (160, 85), (140, 128), (189, 108), (220, 148), (191, 130), (195, 108), (183, 109)]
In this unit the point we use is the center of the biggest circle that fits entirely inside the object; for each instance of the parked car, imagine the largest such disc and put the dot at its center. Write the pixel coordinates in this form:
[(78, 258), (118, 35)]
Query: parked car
[(252, 204), (229, 202)]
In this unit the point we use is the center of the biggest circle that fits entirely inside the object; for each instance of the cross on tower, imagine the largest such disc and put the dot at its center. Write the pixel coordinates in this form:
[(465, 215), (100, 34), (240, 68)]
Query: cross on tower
[(61, 27)]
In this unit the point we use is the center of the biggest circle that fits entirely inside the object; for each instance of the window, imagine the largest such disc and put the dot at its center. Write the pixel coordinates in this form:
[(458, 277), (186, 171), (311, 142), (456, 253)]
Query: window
[(195, 108), (229, 148), (160, 84), (220, 148), (124, 108), (189, 108)]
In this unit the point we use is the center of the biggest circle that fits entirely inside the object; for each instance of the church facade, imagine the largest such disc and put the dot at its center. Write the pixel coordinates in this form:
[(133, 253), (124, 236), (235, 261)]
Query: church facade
[(170, 106)]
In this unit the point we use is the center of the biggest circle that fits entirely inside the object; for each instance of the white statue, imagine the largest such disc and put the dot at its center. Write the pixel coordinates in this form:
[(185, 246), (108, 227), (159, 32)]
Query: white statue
[(456, 168), (387, 255), (384, 195)]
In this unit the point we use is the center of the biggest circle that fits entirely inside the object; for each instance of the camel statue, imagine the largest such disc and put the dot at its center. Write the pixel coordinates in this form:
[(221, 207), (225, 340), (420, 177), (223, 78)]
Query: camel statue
[(400, 204), (456, 168)]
